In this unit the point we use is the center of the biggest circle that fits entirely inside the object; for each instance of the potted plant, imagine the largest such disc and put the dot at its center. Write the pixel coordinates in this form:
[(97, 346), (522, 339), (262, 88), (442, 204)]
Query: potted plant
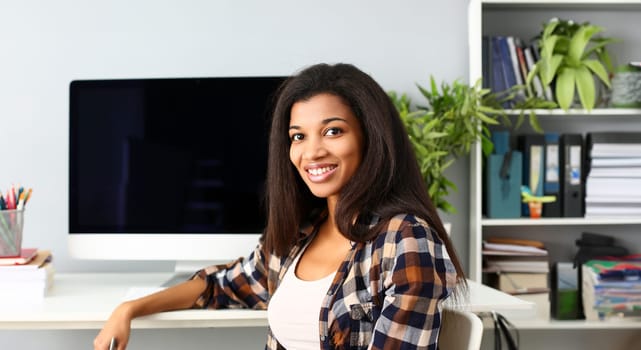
[(572, 56), (456, 116)]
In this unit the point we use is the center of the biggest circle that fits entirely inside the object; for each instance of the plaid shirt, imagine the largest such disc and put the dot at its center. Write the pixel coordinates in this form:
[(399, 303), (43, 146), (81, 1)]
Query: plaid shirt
[(386, 294)]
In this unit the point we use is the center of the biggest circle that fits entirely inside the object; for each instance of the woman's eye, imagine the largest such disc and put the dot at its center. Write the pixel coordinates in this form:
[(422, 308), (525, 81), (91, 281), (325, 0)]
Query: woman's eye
[(296, 137), (333, 131)]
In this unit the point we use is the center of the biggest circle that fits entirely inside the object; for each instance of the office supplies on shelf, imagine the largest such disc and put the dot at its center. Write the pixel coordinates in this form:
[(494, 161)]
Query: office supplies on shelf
[(614, 174), (532, 146), (503, 67), (520, 269), (503, 179), (607, 291), (572, 201), (535, 203), (521, 283), (613, 144), (551, 184), (591, 246), (511, 249), (564, 297), (621, 187), (516, 263), (515, 241)]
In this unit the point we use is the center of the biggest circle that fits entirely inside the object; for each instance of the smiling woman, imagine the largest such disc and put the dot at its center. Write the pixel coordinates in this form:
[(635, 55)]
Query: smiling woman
[(353, 255)]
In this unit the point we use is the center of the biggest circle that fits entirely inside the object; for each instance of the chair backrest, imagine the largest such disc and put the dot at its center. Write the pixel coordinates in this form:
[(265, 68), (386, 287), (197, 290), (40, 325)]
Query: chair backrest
[(460, 330)]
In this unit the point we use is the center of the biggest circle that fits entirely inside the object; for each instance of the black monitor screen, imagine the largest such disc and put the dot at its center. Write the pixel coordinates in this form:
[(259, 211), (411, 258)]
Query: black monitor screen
[(169, 155)]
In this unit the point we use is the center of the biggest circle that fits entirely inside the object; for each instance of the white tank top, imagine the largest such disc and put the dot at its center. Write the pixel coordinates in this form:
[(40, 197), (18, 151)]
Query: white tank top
[(294, 309)]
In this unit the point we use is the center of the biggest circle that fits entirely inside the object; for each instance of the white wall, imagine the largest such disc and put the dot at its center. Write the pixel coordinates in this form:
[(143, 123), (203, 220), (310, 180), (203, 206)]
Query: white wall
[(46, 44)]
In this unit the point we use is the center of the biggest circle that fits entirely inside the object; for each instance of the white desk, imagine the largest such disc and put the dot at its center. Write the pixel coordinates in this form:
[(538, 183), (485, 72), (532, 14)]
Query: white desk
[(85, 301), (484, 299)]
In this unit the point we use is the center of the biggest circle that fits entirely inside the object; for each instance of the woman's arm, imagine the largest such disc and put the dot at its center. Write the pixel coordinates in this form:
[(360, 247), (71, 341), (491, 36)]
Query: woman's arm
[(420, 275), (181, 296), (241, 283)]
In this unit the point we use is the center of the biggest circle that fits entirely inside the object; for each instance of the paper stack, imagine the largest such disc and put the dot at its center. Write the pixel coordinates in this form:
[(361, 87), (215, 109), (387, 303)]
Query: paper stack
[(28, 282), (613, 185), (520, 268), (612, 288)]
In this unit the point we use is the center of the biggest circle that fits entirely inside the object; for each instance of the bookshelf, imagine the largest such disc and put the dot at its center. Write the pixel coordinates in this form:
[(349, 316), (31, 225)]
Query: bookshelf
[(524, 19)]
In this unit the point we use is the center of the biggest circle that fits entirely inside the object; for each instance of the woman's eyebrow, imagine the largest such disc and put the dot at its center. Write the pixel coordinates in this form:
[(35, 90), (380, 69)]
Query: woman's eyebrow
[(324, 122), (329, 120)]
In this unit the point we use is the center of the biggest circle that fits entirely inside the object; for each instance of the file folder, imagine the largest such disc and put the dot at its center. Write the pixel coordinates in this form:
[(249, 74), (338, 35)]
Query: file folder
[(503, 185), (565, 298), (551, 185), (532, 146), (572, 199), (501, 142)]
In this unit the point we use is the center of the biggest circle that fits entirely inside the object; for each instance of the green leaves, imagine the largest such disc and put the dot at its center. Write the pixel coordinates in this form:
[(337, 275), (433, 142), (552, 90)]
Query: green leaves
[(567, 58), (565, 87), (455, 117), (585, 86)]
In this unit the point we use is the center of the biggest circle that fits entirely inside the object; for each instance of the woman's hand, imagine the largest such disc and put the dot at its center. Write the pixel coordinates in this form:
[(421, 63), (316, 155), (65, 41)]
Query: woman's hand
[(117, 326)]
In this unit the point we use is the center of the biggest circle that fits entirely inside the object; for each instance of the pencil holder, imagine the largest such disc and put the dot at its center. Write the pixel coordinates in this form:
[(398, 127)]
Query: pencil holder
[(11, 223)]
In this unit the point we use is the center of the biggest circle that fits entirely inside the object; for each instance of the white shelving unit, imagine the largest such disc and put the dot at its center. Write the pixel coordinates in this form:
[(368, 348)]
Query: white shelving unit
[(524, 19)]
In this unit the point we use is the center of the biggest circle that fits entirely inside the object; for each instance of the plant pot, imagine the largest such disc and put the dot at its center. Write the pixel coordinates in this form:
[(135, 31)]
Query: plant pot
[(626, 88)]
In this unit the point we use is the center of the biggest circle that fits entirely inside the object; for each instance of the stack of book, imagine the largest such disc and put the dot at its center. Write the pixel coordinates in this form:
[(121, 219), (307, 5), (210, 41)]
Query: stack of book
[(613, 185), (27, 278), (612, 288), (520, 268), (507, 61)]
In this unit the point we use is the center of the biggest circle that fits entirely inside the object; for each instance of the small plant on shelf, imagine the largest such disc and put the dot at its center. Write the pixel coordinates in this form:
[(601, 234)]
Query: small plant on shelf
[(572, 58)]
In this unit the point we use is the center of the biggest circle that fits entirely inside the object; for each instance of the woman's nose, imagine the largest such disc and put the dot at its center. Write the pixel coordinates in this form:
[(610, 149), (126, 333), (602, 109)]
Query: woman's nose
[(314, 149)]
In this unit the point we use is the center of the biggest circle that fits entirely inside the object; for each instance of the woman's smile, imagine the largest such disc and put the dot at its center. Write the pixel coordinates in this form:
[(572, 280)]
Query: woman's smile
[(320, 173)]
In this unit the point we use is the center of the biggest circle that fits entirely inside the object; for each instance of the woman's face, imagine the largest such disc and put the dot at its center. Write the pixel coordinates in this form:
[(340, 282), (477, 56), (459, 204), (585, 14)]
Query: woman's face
[(326, 143)]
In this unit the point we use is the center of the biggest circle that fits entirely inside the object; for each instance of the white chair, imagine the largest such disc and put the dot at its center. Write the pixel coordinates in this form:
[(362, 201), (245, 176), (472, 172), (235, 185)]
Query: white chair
[(460, 330)]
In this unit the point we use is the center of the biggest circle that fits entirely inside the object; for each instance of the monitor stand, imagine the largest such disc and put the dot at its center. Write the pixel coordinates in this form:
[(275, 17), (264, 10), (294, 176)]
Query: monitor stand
[(184, 269)]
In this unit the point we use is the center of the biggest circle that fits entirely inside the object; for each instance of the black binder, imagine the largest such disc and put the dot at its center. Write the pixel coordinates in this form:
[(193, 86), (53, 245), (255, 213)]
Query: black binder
[(551, 181), (533, 148), (572, 188)]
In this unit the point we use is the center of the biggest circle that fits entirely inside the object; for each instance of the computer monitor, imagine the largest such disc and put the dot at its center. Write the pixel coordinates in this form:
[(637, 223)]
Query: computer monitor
[(168, 169)]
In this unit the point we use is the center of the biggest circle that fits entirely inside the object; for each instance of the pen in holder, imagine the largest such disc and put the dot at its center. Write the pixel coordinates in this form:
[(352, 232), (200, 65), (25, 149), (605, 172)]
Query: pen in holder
[(11, 220), (11, 224)]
